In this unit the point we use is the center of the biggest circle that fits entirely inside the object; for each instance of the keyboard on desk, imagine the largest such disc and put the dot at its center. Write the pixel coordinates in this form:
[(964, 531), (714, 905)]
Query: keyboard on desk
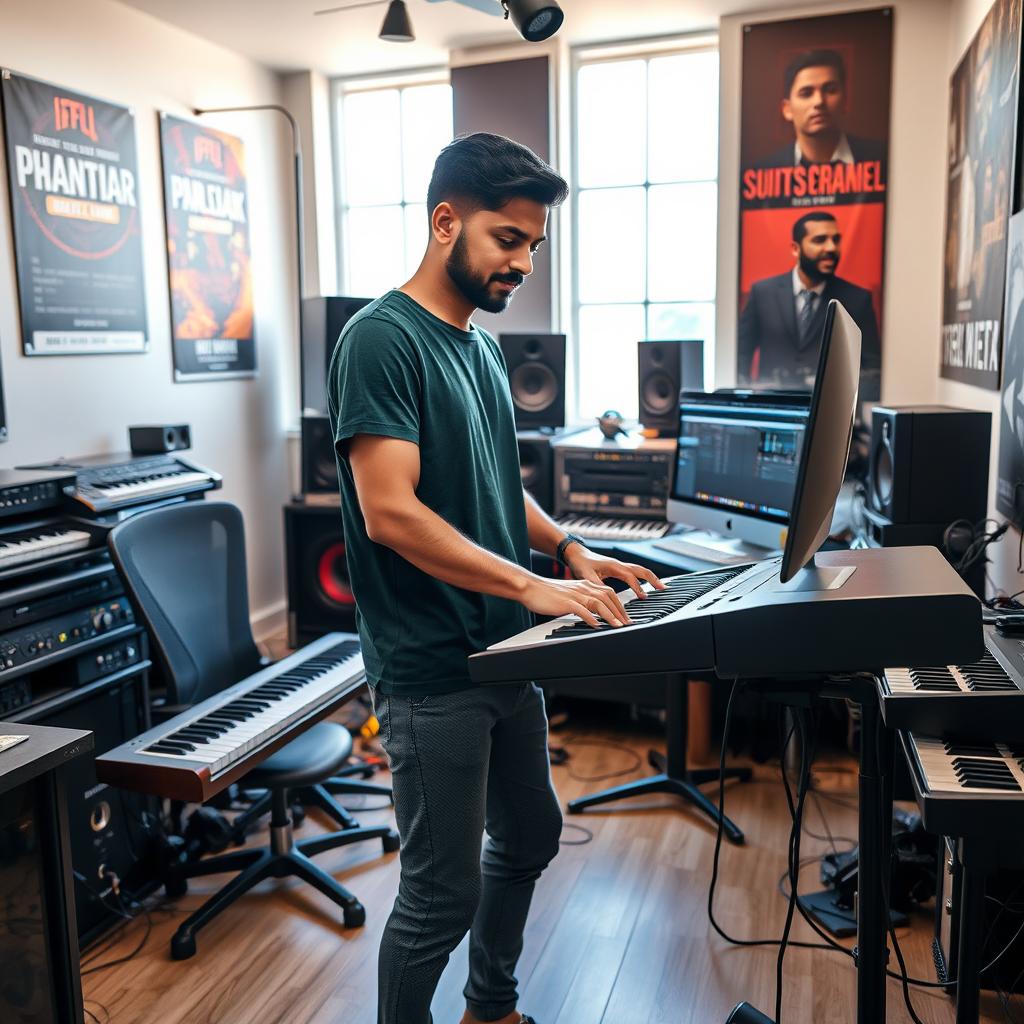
[(196, 754), (607, 528), (981, 698), (28, 544)]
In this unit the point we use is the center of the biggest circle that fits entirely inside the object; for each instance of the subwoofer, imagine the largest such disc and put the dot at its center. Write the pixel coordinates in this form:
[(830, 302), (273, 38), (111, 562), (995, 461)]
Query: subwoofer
[(664, 368), (928, 463), (322, 321), (319, 468), (536, 377), (320, 597), (536, 466)]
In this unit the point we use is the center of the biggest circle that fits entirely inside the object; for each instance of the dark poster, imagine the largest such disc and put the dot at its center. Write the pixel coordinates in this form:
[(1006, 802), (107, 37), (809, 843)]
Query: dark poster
[(982, 120), (73, 172), (814, 146), (207, 251), (1010, 487)]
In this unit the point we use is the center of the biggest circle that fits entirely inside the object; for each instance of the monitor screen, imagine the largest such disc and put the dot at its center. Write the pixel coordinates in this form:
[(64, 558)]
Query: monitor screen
[(737, 451)]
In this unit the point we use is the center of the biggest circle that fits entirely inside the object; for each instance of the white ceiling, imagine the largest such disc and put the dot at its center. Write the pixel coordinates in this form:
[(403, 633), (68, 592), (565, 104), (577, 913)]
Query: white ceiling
[(286, 36)]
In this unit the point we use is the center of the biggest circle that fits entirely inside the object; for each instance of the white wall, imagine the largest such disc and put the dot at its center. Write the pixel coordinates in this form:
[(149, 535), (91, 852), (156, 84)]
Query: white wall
[(80, 405)]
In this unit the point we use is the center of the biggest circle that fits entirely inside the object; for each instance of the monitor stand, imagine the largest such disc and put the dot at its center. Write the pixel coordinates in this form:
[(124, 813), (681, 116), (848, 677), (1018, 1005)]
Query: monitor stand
[(713, 547)]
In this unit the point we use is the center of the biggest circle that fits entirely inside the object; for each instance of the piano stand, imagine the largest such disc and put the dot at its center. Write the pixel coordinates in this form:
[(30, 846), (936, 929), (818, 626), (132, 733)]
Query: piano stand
[(673, 775)]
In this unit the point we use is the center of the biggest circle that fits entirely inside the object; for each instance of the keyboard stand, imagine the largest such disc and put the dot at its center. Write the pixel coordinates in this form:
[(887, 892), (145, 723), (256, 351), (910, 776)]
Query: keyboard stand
[(673, 775)]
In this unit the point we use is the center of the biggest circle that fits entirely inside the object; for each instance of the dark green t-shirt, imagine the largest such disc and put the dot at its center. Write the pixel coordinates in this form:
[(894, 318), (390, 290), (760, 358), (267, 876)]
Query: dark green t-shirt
[(399, 371)]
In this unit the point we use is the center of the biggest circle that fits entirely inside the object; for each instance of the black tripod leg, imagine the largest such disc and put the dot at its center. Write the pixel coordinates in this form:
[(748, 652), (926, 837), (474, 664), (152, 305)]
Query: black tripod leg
[(639, 787), (709, 807)]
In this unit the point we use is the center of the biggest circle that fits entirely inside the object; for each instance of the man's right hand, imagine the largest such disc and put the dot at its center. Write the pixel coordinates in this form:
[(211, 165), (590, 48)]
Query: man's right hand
[(575, 597)]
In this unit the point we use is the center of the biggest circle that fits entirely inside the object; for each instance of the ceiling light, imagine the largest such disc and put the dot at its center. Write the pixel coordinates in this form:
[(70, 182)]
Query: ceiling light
[(397, 27), (536, 19)]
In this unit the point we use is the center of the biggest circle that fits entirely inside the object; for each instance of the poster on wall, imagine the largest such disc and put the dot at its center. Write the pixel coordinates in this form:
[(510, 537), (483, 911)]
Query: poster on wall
[(1010, 486), (979, 183), (73, 171), (814, 146), (208, 257)]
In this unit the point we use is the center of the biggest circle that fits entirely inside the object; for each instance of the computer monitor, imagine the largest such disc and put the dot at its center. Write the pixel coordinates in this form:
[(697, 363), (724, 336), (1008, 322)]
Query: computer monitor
[(826, 441), (735, 470)]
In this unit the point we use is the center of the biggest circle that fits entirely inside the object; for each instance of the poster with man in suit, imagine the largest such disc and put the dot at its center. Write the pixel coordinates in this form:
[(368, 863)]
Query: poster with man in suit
[(813, 179)]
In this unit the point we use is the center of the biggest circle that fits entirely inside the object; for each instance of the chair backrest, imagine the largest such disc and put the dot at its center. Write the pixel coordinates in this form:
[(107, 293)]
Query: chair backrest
[(184, 569)]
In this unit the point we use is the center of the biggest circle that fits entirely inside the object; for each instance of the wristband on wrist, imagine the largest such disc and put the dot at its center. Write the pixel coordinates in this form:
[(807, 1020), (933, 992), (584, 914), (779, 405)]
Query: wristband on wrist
[(569, 538)]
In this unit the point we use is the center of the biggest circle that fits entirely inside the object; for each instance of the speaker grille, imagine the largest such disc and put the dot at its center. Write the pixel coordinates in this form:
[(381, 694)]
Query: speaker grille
[(534, 386), (334, 590), (659, 393)]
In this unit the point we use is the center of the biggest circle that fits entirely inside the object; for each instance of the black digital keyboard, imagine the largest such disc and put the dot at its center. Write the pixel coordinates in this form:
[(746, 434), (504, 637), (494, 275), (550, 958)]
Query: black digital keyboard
[(861, 610)]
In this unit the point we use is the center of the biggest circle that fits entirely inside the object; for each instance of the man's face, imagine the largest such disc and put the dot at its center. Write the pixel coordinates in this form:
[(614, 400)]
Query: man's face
[(493, 253), (818, 250), (815, 103)]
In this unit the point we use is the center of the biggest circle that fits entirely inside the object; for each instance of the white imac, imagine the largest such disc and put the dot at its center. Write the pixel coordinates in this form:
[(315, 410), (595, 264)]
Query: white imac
[(734, 473)]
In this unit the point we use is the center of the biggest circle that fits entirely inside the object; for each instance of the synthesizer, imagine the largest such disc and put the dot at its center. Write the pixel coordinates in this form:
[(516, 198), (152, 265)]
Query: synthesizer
[(851, 612), (607, 528), (977, 698), (105, 483), (23, 492), (196, 754)]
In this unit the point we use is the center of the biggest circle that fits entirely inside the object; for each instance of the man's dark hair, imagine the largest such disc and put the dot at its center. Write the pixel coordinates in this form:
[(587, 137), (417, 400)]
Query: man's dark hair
[(813, 59), (800, 227), (486, 171)]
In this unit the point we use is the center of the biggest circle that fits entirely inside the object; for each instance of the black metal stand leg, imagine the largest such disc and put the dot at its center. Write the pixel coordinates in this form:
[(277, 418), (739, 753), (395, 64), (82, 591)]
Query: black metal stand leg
[(972, 895), (673, 777), (317, 796), (241, 822), (332, 840), (353, 787), (237, 860), (357, 768)]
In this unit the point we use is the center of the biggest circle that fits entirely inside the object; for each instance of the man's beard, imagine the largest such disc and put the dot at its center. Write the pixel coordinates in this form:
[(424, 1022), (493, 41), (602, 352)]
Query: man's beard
[(813, 273), (475, 288)]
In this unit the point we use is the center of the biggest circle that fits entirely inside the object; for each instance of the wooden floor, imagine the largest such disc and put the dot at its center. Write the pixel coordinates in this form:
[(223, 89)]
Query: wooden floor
[(618, 934)]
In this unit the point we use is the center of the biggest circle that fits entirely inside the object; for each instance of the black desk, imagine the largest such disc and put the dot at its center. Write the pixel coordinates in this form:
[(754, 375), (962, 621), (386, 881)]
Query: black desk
[(38, 935)]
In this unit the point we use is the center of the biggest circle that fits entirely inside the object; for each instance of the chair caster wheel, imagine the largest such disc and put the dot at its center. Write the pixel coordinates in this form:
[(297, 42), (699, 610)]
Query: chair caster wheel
[(183, 947), (176, 886), (355, 916), (392, 842)]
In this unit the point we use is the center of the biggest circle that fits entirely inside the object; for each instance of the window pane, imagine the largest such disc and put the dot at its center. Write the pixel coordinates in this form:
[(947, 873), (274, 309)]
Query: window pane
[(682, 242), (611, 130), (416, 230), (426, 130), (373, 153), (374, 249), (607, 359), (685, 320), (683, 118), (611, 245)]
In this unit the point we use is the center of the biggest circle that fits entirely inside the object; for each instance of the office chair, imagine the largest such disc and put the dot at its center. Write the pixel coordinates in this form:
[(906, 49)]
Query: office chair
[(183, 567)]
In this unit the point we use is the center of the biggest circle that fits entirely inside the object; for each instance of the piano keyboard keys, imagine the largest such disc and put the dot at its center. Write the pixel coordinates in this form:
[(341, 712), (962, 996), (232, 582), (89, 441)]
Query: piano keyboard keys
[(604, 528), (20, 549), (986, 767)]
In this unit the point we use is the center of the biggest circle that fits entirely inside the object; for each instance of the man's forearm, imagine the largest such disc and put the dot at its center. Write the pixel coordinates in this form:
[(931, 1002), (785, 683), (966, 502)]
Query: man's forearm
[(545, 534), (433, 545)]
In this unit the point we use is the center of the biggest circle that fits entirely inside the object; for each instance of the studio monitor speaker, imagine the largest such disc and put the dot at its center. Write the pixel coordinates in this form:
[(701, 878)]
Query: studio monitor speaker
[(153, 440), (319, 468), (320, 597), (664, 368), (322, 321), (536, 465), (536, 376), (928, 464)]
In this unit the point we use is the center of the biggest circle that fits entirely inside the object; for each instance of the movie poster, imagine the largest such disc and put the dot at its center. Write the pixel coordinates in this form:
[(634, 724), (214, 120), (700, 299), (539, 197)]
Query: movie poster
[(982, 133), (73, 174), (1010, 486), (814, 146), (207, 251)]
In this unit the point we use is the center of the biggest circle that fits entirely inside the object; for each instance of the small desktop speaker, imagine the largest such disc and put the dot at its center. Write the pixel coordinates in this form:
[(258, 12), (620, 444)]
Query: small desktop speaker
[(319, 468), (536, 377), (320, 598), (158, 439), (928, 463), (536, 465), (323, 319), (664, 368)]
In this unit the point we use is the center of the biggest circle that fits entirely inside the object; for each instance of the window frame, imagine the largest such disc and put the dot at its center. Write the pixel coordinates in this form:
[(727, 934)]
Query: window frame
[(580, 57)]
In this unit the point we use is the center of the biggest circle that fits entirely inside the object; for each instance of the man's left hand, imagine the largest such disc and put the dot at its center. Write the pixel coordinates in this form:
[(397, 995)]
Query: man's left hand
[(584, 564)]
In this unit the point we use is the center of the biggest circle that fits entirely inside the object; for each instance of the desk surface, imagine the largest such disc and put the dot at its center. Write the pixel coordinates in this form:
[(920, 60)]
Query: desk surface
[(45, 749)]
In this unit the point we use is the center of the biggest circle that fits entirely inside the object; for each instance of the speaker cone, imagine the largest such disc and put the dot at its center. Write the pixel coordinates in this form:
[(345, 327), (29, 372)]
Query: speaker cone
[(332, 576), (325, 473), (534, 386), (882, 478), (529, 466), (659, 396)]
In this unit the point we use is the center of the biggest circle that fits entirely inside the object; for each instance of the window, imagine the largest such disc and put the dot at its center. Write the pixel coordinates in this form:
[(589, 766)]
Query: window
[(646, 208), (387, 137)]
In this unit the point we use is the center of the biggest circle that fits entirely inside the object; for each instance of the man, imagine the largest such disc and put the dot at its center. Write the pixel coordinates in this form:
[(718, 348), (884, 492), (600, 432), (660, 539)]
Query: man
[(438, 534), (814, 102), (781, 326)]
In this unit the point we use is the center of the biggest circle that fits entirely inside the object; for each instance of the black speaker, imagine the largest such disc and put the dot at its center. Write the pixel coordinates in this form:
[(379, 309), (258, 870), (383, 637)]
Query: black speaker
[(320, 597), (928, 463), (154, 440), (322, 321), (536, 466), (112, 831), (664, 368), (319, 468), (536, 377)]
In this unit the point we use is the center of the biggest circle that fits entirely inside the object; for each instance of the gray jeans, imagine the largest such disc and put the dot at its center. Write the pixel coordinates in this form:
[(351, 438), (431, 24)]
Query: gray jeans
[(462, 763)]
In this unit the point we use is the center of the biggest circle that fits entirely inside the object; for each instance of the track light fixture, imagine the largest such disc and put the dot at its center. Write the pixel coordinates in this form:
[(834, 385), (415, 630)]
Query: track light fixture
[(536, 19), (397, 27)]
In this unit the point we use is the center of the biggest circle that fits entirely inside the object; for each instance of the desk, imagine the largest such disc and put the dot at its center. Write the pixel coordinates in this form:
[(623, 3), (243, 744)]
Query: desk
[(38, 935)]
